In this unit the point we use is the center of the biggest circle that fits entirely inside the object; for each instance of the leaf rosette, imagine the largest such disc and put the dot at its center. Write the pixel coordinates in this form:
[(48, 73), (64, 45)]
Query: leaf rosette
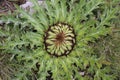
[(53, 41)]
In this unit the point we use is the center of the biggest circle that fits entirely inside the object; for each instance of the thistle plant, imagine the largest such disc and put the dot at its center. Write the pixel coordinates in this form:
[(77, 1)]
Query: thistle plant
[(53, 41)]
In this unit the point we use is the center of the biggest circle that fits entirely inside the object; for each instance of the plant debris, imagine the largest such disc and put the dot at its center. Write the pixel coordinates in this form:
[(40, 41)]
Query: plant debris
[(9, 5)]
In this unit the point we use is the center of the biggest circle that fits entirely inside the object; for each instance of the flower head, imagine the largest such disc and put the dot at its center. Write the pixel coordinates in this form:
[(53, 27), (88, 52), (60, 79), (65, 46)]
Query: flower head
[(59, 39)]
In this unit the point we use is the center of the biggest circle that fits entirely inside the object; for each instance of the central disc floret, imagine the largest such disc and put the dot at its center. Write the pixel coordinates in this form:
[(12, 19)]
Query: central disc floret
[(59, 39)]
